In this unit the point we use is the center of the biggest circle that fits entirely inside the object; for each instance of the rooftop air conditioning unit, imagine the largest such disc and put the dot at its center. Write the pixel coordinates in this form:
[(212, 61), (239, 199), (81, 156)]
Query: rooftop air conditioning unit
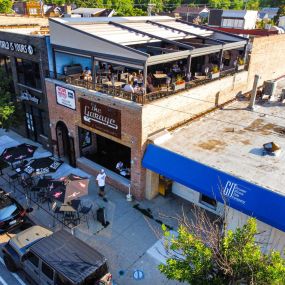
[(269, 88)]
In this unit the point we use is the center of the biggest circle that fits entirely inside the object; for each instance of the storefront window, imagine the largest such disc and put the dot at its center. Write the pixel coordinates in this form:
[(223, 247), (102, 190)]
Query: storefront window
[(85, 138), (28, 73), (208, 201), (5, 64), (108, 153)]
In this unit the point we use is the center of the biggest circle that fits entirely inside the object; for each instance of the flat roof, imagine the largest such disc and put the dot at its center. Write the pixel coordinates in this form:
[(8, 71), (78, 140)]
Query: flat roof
[(23, 25), (137, 30), (231, 140)]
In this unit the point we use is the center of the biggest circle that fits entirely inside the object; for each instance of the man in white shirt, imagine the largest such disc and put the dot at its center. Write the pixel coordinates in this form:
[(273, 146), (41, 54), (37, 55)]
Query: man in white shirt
[(129, 88), (101, 177)]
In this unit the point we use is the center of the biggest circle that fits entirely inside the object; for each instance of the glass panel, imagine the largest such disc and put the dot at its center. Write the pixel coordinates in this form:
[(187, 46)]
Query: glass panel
[(33, 259), (47, 271)]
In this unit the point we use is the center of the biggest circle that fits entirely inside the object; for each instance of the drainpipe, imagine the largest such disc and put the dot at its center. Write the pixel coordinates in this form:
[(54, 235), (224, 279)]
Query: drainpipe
[(251, 105)]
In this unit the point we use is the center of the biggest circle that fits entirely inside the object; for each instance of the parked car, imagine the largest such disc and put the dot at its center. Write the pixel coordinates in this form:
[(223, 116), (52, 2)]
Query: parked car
[(55, 258), (12, 214)]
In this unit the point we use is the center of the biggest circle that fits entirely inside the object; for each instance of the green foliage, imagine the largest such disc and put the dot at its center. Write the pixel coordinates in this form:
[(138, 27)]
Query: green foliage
[(7, 107), (6, 6), (235, 258)]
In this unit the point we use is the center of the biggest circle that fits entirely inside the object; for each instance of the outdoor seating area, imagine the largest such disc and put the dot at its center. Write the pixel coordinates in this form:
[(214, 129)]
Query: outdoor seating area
[(156, 57), (60, 198)]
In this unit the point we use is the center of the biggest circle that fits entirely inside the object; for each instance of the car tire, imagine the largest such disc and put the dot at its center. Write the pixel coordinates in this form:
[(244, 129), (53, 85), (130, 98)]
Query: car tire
[(10, 264)]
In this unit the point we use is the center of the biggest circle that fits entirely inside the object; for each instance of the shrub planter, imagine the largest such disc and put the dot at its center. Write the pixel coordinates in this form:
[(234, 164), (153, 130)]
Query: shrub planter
[(179, 86), (214, 75), (240, 67)]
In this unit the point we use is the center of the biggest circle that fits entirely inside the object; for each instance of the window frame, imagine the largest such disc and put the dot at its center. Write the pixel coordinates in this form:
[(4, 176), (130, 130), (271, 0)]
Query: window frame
[(45, 273)]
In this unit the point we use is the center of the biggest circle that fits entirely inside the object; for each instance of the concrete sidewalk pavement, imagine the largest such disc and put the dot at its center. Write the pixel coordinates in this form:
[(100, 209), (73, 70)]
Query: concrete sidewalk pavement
[(128, 237)]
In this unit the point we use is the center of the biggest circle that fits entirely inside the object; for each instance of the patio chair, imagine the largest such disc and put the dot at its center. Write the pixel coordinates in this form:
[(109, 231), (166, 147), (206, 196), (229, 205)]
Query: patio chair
[(84, 211), (43, 197), (13, 178)]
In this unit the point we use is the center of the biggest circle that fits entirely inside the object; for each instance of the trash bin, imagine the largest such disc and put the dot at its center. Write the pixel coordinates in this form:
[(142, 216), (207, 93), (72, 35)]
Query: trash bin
[(101, 217)]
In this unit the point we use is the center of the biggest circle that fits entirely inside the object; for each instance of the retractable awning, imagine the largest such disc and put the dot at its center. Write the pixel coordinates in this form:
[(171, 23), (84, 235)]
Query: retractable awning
[(241, 195)]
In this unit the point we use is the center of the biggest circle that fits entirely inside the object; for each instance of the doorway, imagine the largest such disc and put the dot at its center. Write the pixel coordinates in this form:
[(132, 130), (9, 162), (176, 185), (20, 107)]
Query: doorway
[(65, 144)]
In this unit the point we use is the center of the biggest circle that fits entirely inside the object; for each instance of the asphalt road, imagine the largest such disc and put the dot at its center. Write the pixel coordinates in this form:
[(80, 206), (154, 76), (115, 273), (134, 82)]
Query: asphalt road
[(7, 277)]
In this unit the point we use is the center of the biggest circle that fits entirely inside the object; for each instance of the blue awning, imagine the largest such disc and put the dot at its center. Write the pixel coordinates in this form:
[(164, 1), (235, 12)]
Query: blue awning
[(253, 200)]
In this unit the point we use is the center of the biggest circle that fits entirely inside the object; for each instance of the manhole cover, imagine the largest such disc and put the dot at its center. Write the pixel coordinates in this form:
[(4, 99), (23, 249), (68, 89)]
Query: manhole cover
[(121, 272), (138, 275)]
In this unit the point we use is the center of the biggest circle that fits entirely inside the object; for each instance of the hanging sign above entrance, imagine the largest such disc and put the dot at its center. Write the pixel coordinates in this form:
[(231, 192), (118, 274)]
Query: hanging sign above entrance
[(101, 117)]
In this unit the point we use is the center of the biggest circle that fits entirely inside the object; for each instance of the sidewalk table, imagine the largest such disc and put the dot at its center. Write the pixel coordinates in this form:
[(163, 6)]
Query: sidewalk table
[(70, 215)]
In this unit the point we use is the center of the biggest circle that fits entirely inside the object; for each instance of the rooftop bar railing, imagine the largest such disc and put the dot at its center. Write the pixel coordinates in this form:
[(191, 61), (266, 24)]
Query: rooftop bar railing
[(137, 97)]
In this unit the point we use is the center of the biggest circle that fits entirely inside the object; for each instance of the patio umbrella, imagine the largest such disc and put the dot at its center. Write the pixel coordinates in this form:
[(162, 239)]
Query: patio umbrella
[(42, 165), (57, 190), (19, 152), (73, 187)]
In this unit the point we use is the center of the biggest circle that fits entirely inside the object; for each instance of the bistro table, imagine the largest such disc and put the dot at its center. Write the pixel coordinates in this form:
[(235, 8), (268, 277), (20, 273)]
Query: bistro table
[(116, 83), (70, 215)]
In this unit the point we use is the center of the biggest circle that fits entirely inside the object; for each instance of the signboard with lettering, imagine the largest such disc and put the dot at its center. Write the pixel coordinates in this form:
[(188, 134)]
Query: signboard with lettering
[(65, 97), (12, 46), (101, 117)]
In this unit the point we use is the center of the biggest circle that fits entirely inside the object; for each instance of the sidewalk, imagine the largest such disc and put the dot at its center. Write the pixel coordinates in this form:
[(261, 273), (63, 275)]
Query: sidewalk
[(126, 240)]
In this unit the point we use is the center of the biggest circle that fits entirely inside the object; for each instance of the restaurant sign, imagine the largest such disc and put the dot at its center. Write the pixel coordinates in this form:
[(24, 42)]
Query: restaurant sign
[(101, 117), (12, 46), (65, 97)]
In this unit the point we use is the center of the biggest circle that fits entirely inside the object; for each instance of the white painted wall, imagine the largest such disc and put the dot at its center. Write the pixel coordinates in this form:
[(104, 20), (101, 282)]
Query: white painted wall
[(250, 20), (194, 197), (272, 238)]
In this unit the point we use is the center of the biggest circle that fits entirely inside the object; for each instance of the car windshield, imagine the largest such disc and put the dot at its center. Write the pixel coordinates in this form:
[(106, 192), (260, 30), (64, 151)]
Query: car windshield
[(8, 211)]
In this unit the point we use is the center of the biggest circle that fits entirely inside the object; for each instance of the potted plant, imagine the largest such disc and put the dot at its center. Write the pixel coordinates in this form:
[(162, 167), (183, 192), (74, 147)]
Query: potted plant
[(215, 73), (179, 83), (240, 63)]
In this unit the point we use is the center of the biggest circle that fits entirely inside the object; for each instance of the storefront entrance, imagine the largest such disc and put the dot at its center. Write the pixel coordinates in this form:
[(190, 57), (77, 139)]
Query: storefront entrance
[(65, 144), (105, 152)]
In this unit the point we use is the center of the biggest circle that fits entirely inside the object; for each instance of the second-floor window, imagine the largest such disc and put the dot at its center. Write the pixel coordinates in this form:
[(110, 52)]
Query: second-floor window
[(28, 73)]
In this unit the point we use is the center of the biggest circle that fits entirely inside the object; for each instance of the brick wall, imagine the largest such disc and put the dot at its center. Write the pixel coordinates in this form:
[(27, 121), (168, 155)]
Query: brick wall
[(267, 58), (130, 122)]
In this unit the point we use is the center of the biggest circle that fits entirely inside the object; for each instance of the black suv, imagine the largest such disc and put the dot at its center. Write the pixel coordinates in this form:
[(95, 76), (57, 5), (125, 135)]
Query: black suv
[(12, 214)]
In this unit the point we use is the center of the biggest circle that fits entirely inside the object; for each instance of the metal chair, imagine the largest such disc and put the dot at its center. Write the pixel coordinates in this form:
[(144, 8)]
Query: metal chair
[(84, 211)]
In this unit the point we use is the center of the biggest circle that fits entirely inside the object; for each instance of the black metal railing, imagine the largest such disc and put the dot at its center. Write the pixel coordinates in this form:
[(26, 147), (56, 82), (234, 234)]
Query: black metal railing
[(138, 97)]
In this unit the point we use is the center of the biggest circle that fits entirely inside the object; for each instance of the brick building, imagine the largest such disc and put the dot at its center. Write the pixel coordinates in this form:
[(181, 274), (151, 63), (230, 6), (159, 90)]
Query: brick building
[(24, 56), (95, 123)]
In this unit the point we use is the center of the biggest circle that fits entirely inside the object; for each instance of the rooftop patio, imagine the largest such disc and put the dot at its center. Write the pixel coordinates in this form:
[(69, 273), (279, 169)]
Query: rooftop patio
[(141, 58)]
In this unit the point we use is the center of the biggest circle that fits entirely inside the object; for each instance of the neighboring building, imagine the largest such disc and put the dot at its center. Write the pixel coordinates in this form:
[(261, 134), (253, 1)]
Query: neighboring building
[(270, 12), (96, 123), (237, 19), (263, 16), (24, 55), (220, 158), (30, 8), (93, 12), (189, 14)]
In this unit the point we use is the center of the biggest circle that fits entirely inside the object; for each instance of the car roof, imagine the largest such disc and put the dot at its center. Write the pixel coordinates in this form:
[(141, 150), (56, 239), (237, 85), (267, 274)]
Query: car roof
[(69, 256), (28, 237)]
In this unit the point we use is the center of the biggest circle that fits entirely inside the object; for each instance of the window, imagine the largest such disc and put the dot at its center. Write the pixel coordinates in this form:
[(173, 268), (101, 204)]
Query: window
[(28, 73), (47, 271), (209, 202), (60, 280), (5, 63), (33, 11), (33, 259)]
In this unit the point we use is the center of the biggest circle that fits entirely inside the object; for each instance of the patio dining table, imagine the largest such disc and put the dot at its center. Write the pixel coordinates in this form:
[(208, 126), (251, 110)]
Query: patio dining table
[(116, 83), (70, 215)]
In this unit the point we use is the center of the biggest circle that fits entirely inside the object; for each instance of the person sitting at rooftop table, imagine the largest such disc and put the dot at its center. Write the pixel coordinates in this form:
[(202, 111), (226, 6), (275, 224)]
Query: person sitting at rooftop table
[(87, 74), (129, 88)]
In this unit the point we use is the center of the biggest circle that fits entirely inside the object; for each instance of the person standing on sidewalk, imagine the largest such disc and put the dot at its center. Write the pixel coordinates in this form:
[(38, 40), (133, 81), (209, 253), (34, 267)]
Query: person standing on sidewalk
[(101, 177)]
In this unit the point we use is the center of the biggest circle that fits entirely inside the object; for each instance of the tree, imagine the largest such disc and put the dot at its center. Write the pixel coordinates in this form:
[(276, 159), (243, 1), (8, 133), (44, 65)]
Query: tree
[(6, 6), (205, 253), (7, 107), (220, 4)]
